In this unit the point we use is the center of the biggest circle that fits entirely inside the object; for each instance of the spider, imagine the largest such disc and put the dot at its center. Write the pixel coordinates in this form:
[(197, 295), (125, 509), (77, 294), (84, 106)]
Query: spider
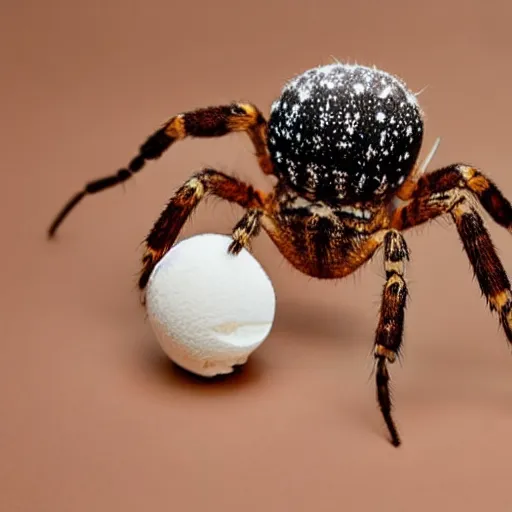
[(342, 141)]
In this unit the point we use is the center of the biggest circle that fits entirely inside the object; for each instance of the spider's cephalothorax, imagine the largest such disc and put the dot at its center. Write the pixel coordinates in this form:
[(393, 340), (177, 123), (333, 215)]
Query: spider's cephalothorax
[(343, 142)]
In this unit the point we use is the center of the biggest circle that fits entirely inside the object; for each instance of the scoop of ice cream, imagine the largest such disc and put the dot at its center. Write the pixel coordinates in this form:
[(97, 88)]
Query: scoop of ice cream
[(209, 309)]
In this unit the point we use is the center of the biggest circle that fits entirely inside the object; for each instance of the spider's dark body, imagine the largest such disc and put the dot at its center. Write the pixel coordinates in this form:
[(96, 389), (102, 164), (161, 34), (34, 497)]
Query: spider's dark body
[(343, 133), (342, 142)]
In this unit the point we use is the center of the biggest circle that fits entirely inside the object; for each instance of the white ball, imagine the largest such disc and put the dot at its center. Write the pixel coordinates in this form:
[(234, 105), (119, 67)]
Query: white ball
[(209, 309)]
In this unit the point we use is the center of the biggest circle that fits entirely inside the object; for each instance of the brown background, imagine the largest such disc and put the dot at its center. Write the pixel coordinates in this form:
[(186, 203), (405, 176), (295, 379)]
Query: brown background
[(93, 417)]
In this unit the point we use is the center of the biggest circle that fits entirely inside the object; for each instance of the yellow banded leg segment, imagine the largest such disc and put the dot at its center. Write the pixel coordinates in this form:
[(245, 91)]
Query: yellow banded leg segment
[(492, 277), (388, 336), (454, 190), (489, 195), (213, 121), (381, 351), (172, 219), (248, 227), (221, 120)]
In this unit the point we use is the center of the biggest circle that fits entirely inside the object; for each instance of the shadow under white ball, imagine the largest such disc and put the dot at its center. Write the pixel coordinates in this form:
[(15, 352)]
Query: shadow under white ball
[(209, 309)]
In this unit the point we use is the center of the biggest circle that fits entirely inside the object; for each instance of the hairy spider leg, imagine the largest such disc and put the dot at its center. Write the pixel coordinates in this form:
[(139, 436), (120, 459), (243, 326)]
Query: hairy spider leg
[(213, 121), (453, 190), (334, 246), (245, 230), (166, 229), (389, 333)]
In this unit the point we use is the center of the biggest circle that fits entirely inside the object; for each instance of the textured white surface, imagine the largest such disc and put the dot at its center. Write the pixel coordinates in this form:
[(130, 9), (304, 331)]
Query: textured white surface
[(209, 310)]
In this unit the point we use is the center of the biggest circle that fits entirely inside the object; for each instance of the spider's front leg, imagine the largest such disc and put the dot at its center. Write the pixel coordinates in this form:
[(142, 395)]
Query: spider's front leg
[(206, 122), (388, 338), (207, 182)]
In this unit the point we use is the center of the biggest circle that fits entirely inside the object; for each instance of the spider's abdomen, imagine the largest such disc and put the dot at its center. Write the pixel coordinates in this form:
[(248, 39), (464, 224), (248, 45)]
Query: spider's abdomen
[(345, 132)]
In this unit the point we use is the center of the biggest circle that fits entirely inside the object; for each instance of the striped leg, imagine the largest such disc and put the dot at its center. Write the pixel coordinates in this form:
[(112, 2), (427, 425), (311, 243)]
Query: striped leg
[(168, 226), (457, 177), (454, 190), (489, 271), (388, 338), (248, 227), (204, 122)]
